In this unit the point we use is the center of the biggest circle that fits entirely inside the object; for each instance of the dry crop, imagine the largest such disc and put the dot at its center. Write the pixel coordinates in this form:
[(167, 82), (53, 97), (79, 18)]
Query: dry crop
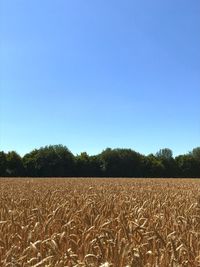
[(99, 222)]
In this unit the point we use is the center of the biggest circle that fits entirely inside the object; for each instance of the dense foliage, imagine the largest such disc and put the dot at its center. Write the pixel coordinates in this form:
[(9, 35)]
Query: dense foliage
[(58, 161)]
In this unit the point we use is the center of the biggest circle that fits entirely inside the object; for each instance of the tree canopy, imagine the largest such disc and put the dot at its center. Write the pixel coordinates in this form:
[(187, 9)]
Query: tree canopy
[(58, 161)]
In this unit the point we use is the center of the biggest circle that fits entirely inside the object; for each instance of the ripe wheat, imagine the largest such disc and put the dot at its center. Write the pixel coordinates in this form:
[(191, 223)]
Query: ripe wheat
[(99, 222)]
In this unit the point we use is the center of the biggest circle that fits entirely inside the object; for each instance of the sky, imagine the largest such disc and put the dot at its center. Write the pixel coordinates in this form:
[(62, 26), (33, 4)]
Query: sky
[(92, 74)]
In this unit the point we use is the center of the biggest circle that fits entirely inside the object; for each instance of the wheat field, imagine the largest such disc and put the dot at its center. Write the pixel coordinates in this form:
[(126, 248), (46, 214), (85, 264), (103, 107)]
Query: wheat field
[(99, 222)]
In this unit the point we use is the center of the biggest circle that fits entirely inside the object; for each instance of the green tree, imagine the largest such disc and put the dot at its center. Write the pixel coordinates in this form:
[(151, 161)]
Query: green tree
[(188, 166), (30, 161), (196, 153), (14, 164), (83, 164), (50, 161), (121, 163), (87, 165), (3, 164), (164, 153), (153, 166)]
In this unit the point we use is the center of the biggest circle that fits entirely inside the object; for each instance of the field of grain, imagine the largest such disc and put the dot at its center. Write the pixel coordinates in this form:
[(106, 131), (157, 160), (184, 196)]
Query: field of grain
[(99, 222)]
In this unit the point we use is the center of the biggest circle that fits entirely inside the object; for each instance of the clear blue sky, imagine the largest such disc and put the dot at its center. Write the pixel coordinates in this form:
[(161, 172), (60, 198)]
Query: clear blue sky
[(91, 74)]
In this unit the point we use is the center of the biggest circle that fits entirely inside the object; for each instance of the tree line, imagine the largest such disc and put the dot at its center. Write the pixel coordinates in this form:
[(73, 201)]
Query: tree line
[(58, 161)]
